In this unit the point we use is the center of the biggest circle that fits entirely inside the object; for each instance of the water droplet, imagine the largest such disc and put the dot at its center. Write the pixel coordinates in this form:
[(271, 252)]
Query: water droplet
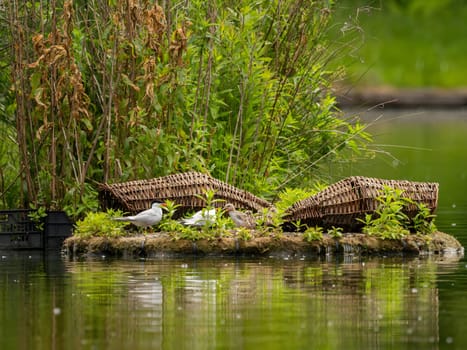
[(57, 311), (453, 205)]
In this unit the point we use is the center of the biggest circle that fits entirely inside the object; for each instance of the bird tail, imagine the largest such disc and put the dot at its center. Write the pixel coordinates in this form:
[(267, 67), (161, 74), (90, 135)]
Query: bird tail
[(120, 219), (186, 221)]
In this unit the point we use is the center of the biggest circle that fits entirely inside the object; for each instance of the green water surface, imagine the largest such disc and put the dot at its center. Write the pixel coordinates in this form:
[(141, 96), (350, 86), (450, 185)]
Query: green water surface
[(384, 303)]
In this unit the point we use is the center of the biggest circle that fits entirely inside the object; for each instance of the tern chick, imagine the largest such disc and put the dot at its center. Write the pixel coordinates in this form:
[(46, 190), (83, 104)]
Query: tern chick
[(239, 218)]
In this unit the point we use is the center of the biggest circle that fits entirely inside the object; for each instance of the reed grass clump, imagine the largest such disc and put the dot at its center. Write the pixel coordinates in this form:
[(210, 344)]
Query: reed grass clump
[(107, 91)]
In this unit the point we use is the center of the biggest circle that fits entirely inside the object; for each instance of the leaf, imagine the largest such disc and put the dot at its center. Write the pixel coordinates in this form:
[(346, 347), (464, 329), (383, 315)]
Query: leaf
[(128, 82), (87, 123), (38, 97)]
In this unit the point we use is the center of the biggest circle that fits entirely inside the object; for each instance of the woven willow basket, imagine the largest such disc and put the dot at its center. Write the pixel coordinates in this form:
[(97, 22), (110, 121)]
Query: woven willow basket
[(343, 203), (185, 189), (307, 211)]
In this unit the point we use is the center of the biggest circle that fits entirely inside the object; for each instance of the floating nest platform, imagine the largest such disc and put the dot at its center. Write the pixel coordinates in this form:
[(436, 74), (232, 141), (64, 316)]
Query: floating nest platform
[(185, 189), (287, 245)]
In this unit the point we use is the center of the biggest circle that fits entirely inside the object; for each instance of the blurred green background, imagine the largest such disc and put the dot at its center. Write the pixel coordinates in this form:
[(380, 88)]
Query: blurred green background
[(402, 43)]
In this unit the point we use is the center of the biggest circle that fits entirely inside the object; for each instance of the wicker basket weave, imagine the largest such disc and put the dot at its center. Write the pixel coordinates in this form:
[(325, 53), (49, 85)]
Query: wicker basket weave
[(185, 189), (307, 211), (342, 203)]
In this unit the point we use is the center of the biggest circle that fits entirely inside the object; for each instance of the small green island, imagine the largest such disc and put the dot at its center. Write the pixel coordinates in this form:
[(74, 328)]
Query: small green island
[(367, 217)]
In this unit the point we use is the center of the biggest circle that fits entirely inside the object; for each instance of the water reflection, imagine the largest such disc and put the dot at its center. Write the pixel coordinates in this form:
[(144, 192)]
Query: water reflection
[(200, 303), (206, 304)]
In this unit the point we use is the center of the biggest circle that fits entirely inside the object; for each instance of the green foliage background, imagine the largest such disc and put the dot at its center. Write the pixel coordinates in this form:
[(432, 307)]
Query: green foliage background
[(403, 43), (113, 91)]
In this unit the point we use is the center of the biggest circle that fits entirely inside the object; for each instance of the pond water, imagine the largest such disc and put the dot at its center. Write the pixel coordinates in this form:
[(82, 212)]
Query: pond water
[(387, 303), (50, 302)]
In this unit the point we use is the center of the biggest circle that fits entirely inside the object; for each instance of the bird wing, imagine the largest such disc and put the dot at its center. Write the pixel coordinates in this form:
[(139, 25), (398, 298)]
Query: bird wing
[(200, 218), (147, 217), (242, 219)]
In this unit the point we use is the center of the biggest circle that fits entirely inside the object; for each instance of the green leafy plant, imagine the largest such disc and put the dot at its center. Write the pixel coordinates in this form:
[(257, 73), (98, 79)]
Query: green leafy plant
[(313, 234), (268, 219), (389, 220), (38, 215), (189, 233), (289, 196), (100, 224), (298, 226), (244, 233), (335, 232), (209, 198), (423, 222), (223, 226), (168, 223), (169, 210), (79, 201)]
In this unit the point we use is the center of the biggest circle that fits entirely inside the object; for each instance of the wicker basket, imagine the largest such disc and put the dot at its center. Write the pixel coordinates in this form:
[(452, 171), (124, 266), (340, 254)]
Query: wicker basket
[(306, 211), (185, 189), (343, 203)]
